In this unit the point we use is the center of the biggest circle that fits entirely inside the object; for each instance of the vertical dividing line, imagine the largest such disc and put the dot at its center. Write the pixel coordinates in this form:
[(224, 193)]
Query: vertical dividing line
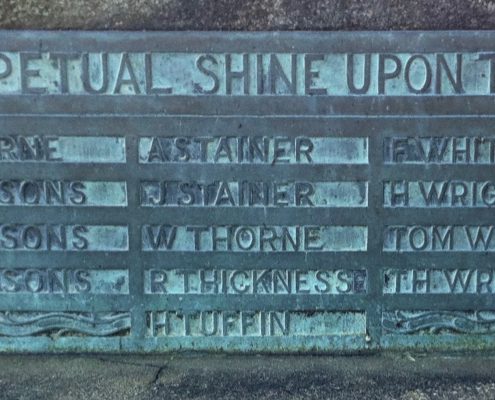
[(376, 225), (136, 272)]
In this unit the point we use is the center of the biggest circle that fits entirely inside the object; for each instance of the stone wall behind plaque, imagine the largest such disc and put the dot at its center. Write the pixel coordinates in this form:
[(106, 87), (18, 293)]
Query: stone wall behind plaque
[(247, 15)]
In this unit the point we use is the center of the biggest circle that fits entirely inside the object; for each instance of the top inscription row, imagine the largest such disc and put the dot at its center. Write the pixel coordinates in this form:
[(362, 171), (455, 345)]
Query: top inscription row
[(158, 73)]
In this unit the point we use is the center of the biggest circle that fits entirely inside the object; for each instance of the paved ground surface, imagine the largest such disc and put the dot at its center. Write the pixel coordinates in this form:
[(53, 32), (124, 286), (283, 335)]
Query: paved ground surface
[(248, 14), (385, 377)]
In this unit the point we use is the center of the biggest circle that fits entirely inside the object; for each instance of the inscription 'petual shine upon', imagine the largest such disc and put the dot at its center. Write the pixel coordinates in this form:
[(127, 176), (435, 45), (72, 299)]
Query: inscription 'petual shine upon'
[(168, 73)]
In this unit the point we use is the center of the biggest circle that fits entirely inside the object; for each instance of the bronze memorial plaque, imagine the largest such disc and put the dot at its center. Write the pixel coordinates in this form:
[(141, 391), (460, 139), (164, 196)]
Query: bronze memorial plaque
[(247, 191)]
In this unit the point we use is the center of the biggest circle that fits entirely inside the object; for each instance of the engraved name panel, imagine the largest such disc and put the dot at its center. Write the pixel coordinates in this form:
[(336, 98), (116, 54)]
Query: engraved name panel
[(278, 192)]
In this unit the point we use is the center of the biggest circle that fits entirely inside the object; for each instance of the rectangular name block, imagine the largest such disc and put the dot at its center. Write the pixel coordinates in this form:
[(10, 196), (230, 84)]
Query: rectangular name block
[(278, 192), (62, 149)]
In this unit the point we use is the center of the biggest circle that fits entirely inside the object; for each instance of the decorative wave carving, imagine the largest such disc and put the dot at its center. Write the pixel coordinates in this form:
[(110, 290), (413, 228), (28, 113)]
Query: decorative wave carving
[(407, 322), (63, 323)]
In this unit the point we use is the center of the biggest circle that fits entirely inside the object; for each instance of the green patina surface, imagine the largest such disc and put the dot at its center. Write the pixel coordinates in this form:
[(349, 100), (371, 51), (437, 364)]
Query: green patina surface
[(241, 192)]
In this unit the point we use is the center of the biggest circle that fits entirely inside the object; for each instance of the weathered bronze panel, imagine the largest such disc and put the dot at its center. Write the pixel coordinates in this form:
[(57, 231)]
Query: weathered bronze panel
[(246, 192)]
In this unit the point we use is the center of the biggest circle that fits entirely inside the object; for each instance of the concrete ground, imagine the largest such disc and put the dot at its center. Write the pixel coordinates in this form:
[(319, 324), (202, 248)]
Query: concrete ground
[(181, 376)]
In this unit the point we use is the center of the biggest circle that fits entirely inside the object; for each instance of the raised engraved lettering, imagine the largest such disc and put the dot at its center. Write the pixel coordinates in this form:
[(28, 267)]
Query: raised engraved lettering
[(64, 281), (253, 194), (248, 238), (440, 150), (439, 281), (62, 193), (167, 73), (448, 193), (439, 238), (253, 150), (52, 237), (247, 281), (64, 149), (254, 323)]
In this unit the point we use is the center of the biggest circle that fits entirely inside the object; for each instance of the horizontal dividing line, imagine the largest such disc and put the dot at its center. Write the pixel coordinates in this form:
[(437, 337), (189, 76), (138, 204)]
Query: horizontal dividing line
[(64, 215), (273, 253), (290, 261), (191, 216), (309, 211), (40, 344), (437, 172), (66, 303), (182, 302), (246, 125), (437, 216), (448, 341), (451, 253), (59, 211), (185, 172), (60, 259), (436, 260), (445, 215), (66, 171), (447, 302), (60, 265), (266, 260), (408, 106), (328, 344), (302, 42), (197, 302), (305, 42), (249, 260), (249, 216), (187, 260), (314, 172), (261, 172), (201, 172)]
